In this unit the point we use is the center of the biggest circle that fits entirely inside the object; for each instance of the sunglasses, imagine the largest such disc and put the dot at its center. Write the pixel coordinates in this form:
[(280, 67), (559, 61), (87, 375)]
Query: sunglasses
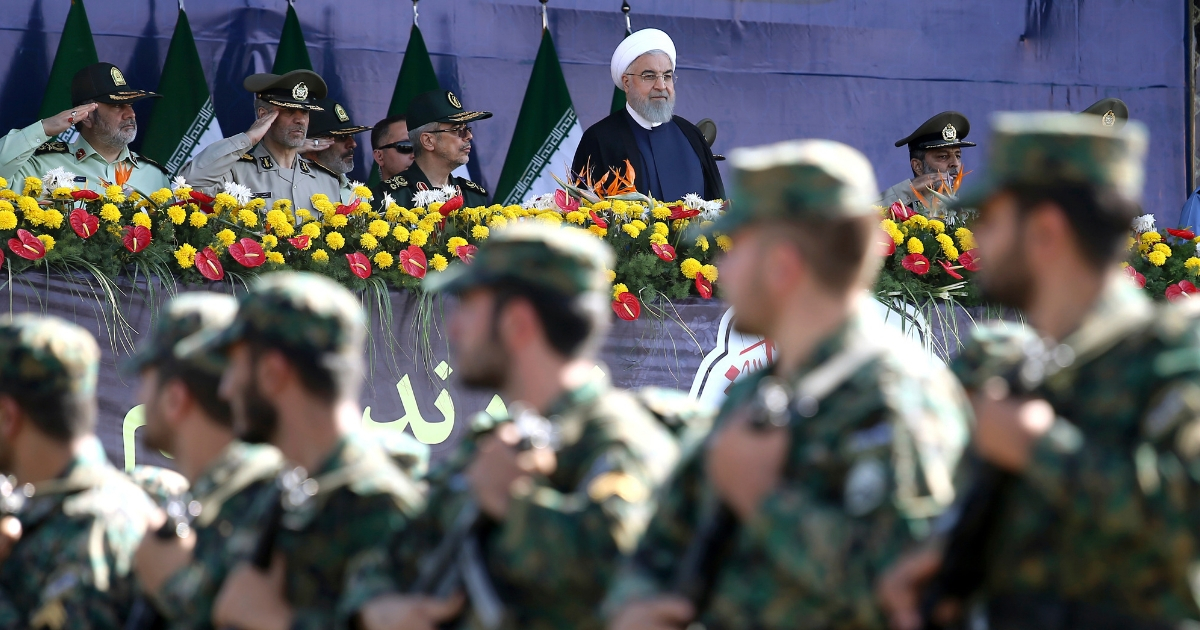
[(402, 146)]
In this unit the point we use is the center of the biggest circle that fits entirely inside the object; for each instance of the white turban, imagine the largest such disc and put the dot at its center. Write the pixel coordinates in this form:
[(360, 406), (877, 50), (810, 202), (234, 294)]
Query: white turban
[(635, 46)]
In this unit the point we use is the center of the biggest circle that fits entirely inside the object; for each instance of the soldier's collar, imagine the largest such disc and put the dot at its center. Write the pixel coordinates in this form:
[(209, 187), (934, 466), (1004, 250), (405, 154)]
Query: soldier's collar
[(1119, 309), (585, 393), (856, 324), (81, 149)]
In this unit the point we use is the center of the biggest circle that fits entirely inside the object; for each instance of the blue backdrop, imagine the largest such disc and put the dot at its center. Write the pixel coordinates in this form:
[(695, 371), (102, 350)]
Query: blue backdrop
[(865, 72)]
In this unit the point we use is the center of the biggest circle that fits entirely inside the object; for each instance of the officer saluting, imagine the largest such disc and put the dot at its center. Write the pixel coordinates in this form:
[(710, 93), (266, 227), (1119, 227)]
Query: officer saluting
[(266, 158), (441, 143)]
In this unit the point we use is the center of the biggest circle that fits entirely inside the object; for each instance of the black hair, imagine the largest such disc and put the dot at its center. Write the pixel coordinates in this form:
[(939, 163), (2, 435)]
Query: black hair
[(1099, 215), (573, 326), (322, 380), (200, 384), (61, 415), (381, 127)]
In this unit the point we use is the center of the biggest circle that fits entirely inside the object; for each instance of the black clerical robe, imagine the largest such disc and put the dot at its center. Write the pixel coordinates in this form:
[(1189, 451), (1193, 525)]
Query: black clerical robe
[(608, 143)]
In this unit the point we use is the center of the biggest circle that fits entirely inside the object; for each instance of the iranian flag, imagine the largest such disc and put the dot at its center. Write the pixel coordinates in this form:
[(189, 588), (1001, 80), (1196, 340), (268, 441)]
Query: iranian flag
[(183, 121), (416, 77), (547, 132), (76, 51), (292, 53)]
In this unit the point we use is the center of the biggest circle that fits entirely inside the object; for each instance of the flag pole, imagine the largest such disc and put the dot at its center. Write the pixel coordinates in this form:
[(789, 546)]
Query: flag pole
[(415, 11), (545, 23), (624, 9)]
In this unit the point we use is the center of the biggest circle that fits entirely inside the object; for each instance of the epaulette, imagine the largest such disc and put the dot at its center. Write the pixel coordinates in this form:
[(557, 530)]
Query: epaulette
[(141, 158), (396, 183), (473, 186), (51, 147), (246, 157), (322, 167)]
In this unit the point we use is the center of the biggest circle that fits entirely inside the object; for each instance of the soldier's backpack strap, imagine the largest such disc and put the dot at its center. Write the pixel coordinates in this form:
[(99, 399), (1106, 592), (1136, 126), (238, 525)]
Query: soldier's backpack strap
[(51, 147)]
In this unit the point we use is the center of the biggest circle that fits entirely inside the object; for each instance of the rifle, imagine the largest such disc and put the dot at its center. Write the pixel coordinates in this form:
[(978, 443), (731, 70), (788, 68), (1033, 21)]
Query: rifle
[(457, 563), (143, 615)]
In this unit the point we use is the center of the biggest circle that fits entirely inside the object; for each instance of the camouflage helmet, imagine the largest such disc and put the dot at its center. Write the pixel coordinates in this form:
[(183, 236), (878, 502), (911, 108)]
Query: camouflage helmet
[(46, 356), (1056, 148), (805, 180), (566, 260), (185, 315)]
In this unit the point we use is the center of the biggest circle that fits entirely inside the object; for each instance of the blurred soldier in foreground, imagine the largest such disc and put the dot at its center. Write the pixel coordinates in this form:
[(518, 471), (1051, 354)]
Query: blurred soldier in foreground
[(209, 531), (1094, 522), (71, 522), (823, 467), (555, 519), (295, 366)]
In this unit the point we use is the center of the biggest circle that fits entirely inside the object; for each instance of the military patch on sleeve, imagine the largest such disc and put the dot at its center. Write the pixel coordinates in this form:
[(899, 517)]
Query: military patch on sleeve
[(266, 162), (473, 186), (51, 147), (246, 157)]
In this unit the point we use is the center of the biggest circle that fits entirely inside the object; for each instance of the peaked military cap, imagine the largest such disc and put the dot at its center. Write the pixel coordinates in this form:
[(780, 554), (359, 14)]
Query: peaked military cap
[(104, 83), (297, 89), (798, 180), (1055, 148), (45, 355), (184, 316), (563, 259), (945, 130), (306, 313), (439, 106), (1113, 112), (331, 120)]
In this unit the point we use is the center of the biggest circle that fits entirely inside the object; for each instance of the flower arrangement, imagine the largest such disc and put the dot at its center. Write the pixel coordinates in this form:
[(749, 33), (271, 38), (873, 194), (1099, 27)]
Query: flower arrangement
[(925, 257), (1165, 266)]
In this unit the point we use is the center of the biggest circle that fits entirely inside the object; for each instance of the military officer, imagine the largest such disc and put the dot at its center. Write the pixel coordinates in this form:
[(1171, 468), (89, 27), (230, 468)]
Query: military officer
[(534, 307), (215, 526), (102, 113), (294, 354), (332, 122), (935, 156), (824, 466), (392, 149), (266, 158), (441, 143), (72, 522), (1096, 527)]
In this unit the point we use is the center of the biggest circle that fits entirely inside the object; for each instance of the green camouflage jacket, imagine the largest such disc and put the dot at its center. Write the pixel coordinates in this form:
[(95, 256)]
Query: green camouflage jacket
[(227, 515), (561, 542), (867, 469), (1107, 511), (72, 566)]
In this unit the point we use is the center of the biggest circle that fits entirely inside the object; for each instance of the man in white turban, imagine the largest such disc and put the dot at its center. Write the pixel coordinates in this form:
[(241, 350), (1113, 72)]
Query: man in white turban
[(669, 154)]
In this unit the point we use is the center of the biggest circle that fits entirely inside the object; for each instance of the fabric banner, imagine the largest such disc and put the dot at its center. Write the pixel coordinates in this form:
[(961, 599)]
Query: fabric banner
[(416, 76), (183, 121), (292, 53), (547, 132), (76, 50)]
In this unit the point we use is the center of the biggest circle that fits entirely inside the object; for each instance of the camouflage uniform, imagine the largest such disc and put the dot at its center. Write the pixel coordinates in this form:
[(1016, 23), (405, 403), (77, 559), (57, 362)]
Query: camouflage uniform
[(1102, 524), (875, 428), (343, 516), (71, 567)]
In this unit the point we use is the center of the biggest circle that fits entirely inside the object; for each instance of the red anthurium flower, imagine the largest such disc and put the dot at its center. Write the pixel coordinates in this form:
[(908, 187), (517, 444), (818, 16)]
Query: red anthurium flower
[(248, 252), (359, 265), (950, 270), (1180, 290), (200, 198), (969, 260), (209, 265), (136, 238), (916, 263), (627, 306), (664, 251), (703, 287), (565, 202), (413, 261), (85, 195), (84, 224), (299, 242), (454, 203), (680, 212), (901, 212), (1138, 279), (466, 253), (1, 258), (887, 246), (27, 246), (1187, 235), (348, 209), (597, 220)]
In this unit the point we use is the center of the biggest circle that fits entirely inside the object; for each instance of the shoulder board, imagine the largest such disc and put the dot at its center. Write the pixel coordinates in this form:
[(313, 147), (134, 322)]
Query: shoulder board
[(141, 158), (396, 183), (473, 186), (321, 167), (51, 147), (246, 157)]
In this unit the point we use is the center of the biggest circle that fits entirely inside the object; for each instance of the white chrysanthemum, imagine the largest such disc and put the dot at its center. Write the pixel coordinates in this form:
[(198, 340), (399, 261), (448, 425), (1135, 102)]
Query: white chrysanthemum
[(58, 177), (540, 202), (435, 195), (178, 182), (692, 201), (1144, 223), (709, 210), (354, 184), (238, 191), (387, 200)]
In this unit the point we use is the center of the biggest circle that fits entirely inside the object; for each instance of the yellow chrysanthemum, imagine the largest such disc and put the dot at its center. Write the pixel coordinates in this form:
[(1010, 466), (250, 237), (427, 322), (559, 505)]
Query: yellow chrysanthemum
[(8, 220), (454, 243), (226, 237), (110, 213), (690, 267), (311, 230), (248, 218), (612, 275), (966, 239), (480, 232), (383, 260), (1164, 248), (258, 203), (224, 202), (576, 217), (918, 221), (114, 194), (184, 193), (631, 230), (418, 237), (724, 242), (438, 262), (277, 217), (618, 289), (362, 192), (598, 231), (915, 246), (33, 187), (285, 205), (141, 219), (661, 228), (702, 243), (497, 222), (335, 240), (393, 213), (1151, 237), (937, 226), (161, 196), (47, 241), (602, 205), (285, 230), (275, 257), (660, 212), (53, 219), (185, 256), (1192, 264), (400, 233), (3, 183), (320, 256), (368, 242), (709, 272), (337, 221), (61, 193), (198, 219), (270, 241), (658, 239), (1157, 259), (176, 214), (378, 228)]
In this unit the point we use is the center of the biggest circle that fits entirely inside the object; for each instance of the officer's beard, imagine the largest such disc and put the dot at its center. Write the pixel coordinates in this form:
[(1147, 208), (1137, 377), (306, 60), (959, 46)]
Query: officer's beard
[(1009, 280), (293, 136), (653, 109), (259, 420), (330, 159), (118, 135)]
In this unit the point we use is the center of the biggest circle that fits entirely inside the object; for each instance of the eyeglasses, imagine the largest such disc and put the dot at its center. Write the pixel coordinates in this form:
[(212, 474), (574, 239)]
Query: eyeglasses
[(461, 132), (653, 77), (401, 146)]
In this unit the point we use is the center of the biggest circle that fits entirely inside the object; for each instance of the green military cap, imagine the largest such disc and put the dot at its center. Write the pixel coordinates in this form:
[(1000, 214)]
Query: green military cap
[(185, 315), (798, 180), (104, 83), (1113, 112), (439, 106), (566, 260), (944, 130), (302, 312), (45, 355), (331, 120), (1055, 148), (295, 90)]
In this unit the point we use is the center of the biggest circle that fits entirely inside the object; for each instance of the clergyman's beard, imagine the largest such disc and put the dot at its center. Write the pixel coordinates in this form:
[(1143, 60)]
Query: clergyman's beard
[(1007, 281), (653, 110), (115, 136), (261, 419)]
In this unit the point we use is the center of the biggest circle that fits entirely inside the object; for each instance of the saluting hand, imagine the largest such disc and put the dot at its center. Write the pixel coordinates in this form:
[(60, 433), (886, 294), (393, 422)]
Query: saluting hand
[(316, 144), (260, 126), (409, 612), (65, 119)]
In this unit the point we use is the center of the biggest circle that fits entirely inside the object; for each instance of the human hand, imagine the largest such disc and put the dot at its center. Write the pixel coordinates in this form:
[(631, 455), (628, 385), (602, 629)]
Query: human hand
[(253, 600), (67, 118), (498, 465), (158, 559), (660, 613), (409, 612), (260, 126), (929, 180), (1006, 428), (316, 144), (901, 586)]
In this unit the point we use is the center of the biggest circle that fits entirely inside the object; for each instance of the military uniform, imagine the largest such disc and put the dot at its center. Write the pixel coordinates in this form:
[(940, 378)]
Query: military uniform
[(163, 485), (71, 566), (945, 130), (237, 159), (404, 188), (333, 121)]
